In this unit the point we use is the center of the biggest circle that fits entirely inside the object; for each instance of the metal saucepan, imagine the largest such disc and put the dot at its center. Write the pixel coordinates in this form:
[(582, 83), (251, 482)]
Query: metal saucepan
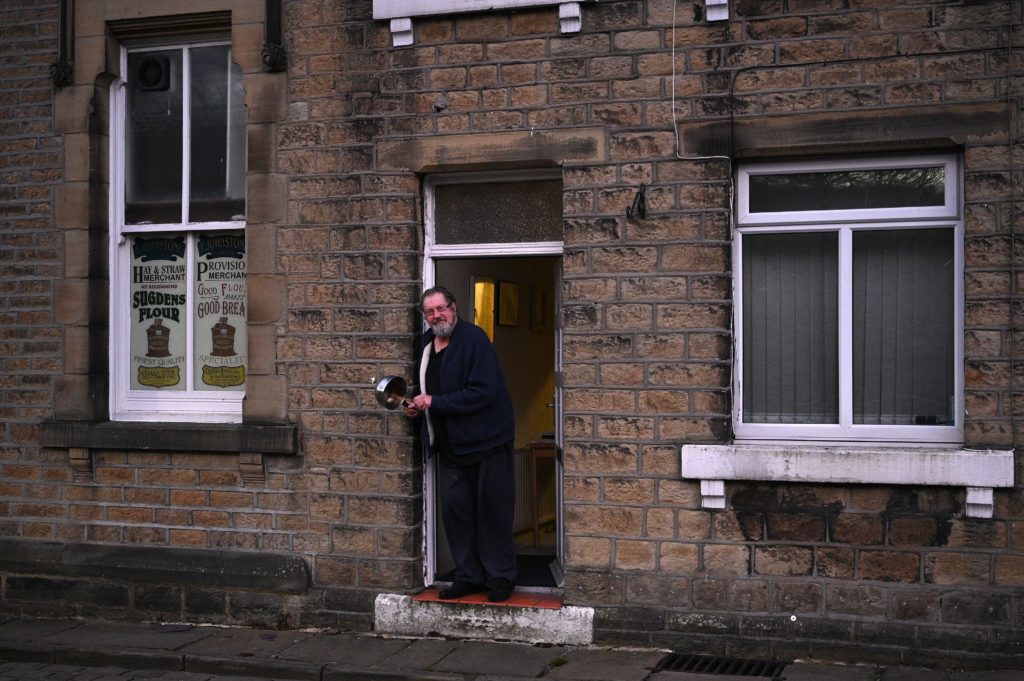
[(391, 391)]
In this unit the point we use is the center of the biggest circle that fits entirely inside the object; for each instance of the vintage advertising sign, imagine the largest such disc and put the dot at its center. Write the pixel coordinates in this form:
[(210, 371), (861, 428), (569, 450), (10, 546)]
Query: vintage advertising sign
[(158, 313), (219, 312)]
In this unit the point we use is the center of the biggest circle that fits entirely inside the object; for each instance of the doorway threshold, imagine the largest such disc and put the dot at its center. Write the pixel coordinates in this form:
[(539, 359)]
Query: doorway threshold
[(527, 617), (519, 599)]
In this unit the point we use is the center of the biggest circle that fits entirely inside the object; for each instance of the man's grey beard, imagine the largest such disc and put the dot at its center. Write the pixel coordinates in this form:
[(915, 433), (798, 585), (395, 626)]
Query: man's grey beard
[(443, 329)]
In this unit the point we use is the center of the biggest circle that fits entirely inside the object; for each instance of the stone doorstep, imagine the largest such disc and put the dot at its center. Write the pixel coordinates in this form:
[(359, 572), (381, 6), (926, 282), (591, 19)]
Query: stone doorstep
[(401, 615)]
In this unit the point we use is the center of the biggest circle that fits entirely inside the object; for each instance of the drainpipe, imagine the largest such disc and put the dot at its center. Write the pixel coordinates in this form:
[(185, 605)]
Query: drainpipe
[(61, 71), (275, 58)]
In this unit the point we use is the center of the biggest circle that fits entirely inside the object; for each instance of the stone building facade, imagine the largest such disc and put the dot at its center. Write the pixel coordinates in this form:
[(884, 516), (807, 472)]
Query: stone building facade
[(680, 519)]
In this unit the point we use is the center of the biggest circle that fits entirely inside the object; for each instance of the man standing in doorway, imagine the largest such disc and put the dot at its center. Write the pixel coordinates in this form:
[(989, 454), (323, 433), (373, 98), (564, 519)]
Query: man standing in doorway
[(469, 424)]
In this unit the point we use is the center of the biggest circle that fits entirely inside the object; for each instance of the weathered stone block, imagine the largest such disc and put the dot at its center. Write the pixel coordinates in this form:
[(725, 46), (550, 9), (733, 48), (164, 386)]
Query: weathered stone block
[(957, 568), (719, 559), (795, 526), (599, 588), (783, 560), (634, 555), (975, 608), (679, 557), (265, 399), (856, 600), (890, 566)]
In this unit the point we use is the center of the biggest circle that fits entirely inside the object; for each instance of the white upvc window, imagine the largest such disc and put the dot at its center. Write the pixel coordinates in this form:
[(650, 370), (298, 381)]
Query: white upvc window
[(177, 248), (848, 293)]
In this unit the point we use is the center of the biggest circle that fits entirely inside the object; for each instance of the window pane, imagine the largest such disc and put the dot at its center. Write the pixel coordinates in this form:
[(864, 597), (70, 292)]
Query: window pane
[(498, 212), (220, 341), (790, 328), (159, 320), (903, 327), (849, 189), (154, 135), (217, 116)]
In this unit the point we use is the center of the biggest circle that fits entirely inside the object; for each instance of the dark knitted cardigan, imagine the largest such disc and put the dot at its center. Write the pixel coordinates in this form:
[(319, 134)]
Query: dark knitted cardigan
[(474, 400)]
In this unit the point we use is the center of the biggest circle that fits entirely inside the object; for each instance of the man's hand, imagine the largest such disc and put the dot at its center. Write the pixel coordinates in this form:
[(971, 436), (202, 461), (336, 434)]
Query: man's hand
[(410, 409), (422, 402)]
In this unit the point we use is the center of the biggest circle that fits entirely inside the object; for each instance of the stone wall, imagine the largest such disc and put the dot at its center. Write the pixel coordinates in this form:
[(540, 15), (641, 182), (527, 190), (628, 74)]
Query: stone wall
[(31, 169), (647, 302), (650, 94)]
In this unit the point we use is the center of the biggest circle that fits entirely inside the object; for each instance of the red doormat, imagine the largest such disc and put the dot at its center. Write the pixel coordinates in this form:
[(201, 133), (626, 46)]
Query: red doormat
[(519, 599)]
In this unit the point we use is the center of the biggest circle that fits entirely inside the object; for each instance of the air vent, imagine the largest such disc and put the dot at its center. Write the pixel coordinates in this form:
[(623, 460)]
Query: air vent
[(154, 73), (708, 664)]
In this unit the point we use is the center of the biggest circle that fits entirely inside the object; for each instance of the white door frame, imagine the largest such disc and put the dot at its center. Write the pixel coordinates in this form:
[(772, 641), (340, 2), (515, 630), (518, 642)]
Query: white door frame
[(432, 251)]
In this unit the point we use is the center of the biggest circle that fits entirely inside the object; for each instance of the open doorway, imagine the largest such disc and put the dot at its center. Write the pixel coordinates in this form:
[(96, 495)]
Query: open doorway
[(514, 298), (501, 233)]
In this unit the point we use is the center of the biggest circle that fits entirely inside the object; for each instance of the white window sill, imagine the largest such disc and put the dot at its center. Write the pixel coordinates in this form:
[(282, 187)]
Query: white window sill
[(979, 471), (391, 9), (570, 16), (401, 12), (717, 10)]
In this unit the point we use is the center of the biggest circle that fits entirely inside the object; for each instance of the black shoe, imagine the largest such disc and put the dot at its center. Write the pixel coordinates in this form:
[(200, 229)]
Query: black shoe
[(459, 589), (500, 590)]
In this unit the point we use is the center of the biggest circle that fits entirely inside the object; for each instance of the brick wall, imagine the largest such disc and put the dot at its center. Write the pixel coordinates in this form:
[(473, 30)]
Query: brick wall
[(192, 505), (350, 258), (648, 311), (895, 574), (31, 161)]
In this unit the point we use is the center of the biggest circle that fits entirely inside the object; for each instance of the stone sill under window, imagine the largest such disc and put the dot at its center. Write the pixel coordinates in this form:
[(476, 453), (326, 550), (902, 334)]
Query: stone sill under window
[(979, 471), (251, 442), (570, 16)]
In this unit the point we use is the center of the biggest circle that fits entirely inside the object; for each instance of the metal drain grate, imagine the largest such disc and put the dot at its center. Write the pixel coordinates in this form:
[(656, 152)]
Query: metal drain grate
[(709, 664)]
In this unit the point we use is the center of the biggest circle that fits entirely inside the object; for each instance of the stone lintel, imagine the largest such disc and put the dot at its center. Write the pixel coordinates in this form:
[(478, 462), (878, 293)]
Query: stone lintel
[(520, 149), (878, 130)]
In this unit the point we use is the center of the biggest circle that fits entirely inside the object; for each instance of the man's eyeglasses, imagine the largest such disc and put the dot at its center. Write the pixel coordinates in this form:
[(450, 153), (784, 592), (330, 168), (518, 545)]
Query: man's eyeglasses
[(435, 310)]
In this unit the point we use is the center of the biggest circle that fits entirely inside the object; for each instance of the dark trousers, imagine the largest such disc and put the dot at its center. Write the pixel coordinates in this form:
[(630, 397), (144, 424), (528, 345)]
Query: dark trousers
[(477, 507)]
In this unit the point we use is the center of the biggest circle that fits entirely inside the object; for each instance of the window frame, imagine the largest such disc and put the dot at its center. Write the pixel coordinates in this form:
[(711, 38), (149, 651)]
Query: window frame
[(950, 210), (845, 223), (125, 404)]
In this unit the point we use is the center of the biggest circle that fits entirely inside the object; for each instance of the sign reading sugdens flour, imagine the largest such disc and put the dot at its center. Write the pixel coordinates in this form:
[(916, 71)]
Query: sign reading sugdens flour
[(159, 297), (165, 312)]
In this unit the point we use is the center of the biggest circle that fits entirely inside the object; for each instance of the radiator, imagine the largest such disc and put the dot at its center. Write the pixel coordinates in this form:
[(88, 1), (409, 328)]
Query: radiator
[(524, 516)]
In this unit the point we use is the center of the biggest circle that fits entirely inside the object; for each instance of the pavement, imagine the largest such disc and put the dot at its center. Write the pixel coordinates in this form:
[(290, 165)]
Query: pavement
[(33, 648)]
